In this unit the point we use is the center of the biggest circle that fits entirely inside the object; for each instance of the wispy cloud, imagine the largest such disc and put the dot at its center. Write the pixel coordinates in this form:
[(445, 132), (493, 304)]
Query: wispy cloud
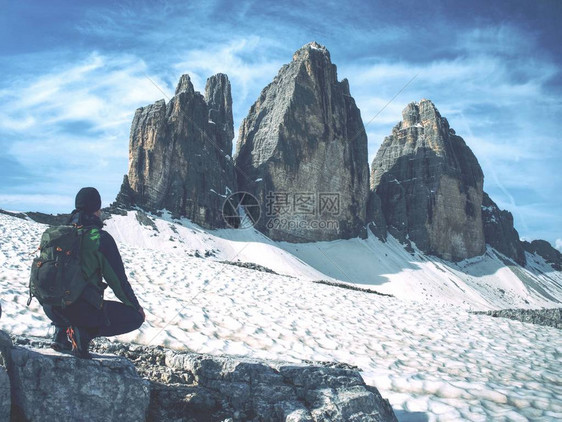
[(72, 123)]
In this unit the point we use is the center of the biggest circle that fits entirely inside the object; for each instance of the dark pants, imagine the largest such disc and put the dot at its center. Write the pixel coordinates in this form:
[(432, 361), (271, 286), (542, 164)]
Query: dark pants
[(113, 319)]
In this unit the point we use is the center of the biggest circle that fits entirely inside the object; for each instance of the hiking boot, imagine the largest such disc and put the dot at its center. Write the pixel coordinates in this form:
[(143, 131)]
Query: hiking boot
[(60, 341), (80, 340)]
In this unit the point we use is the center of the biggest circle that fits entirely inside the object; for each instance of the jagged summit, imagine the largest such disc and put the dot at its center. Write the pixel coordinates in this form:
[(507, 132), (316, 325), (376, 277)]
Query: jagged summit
[(219, 100), (302, 137), (179, 153), (312, 48), (430, 185), (185, 84)]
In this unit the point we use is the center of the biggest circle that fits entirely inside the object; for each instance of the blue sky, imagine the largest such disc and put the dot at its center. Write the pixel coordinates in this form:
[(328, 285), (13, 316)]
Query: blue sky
[(73, 74)]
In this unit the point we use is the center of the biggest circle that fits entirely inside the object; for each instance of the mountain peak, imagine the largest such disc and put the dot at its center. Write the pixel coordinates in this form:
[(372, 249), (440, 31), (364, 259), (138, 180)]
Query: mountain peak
[(421, 114), (185, 84), (304, 134), (430, 185), (311, 49)]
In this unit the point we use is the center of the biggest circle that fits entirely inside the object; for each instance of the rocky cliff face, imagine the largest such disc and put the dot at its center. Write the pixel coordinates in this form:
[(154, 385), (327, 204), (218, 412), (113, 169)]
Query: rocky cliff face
[(302, 151), (179, 153), (164, 385), (499, 231), (430, 185)]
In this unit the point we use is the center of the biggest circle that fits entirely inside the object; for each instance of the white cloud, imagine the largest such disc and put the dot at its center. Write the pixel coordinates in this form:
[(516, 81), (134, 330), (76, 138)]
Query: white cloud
[(559, 244), (76, 118), (96, 90)]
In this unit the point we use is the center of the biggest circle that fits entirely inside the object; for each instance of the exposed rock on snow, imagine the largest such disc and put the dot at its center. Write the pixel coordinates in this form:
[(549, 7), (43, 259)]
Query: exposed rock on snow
[(430, 185), (48, 218), (547, 317), (14, 214), (375, 216), (350, 287), (48, 386), (5, 395), (179, 153), (302, 151), (544, 249), (191, 387), (249, 265)]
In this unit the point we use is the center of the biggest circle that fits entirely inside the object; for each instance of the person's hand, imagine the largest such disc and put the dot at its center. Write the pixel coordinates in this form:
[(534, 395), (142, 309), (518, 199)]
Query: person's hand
[(141, 311)]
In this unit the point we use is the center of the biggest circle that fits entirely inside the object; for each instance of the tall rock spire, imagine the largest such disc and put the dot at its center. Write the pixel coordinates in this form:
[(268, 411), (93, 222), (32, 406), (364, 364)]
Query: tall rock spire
[(179, 159), (302, 150), (430, 185), (219, 102)]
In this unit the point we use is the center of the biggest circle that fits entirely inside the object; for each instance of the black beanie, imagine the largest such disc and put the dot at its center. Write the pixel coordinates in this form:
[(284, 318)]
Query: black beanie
[(88, 199)]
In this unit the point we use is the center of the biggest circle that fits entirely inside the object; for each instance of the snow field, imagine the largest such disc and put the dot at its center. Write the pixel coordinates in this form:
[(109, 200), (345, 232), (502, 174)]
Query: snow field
[(433, 361)]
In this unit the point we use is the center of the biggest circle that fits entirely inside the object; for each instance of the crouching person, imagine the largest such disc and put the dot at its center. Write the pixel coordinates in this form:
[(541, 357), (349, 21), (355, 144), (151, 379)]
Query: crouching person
[(91, 316)]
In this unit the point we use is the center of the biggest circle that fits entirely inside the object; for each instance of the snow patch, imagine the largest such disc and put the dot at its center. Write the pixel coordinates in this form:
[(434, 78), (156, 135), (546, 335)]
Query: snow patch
[(421, 349)]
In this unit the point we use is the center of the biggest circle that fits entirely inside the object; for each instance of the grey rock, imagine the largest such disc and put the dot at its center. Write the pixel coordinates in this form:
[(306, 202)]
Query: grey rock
[(219, 101), (52, 220), (5, 399), (145, 220), (5, 390), (301, 149), (499, 231), (192, 387), (276, 391), (179, 159), (50, 386), (430, 185), (547, 317), (250, 266), (544, 249), (350, 287), (375, 216), (14, 214)]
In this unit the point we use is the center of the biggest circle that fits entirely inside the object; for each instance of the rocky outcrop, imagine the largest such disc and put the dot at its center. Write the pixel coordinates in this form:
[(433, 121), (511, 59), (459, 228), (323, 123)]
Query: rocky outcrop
[(544, 249), (219, 101), (5, 392), (375, 216), (48, 386), (183, 386), (430, 185), (499, 231), (302, 151), (546, 317), (279, 391), (179, 153)]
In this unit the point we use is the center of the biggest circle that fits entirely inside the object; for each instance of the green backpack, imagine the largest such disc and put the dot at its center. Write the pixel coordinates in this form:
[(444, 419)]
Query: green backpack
[(56, 274)]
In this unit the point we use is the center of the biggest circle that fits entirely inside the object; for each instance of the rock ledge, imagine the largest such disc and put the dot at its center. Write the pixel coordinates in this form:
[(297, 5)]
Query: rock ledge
[(157, 384)]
